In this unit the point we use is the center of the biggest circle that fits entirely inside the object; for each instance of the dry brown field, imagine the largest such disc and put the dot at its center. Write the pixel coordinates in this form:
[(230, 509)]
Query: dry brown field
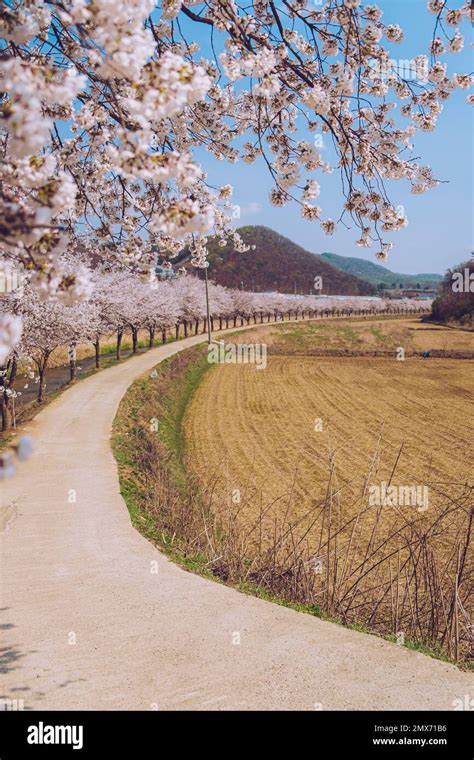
[(290, 454), (276, 434), (371, 334)]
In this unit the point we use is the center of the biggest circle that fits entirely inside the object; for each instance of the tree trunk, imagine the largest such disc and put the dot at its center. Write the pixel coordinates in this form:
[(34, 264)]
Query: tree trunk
[(151, 331), (42, 380), (5, 414), (177, 331), (220, 323), (196, 327), (72, 362), (119, 343), (5, 411), (185, 328), (134, 340), (163, 335), (227, 323), (97, 353), (12, 378), (7, 381)]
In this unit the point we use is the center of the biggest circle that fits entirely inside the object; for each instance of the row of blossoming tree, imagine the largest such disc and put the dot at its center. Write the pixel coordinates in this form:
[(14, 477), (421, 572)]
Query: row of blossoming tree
[(119, 302)]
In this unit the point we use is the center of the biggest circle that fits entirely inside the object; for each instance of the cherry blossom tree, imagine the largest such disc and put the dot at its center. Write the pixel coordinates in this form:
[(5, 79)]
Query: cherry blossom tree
[(8, 363), (191, 299), (47, 325), (163, 310), (220, 304), (134, 305), (242, 304), (104, 301)]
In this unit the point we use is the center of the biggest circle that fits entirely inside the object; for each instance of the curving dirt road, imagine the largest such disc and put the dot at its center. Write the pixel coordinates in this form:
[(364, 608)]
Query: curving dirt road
[(94, 617)]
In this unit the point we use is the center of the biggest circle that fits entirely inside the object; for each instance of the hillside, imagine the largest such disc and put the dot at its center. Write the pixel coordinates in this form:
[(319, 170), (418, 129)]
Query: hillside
[(455, 302), (376, 274), (278, 264)]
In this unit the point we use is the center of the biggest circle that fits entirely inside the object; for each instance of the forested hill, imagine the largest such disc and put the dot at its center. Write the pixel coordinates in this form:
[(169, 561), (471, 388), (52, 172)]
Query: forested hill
[(278, 264), (376, 274)]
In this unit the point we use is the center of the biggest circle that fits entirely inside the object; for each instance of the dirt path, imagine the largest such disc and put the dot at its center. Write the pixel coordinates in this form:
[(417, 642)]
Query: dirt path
[(94, 617)]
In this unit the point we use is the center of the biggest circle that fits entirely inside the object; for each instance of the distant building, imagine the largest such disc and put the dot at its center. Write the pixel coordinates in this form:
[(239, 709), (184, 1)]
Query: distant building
[(417, 295), (165, 273), (163, 269)]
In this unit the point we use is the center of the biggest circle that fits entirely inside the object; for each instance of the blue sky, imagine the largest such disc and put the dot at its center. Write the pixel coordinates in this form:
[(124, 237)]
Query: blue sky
[(439, 233)]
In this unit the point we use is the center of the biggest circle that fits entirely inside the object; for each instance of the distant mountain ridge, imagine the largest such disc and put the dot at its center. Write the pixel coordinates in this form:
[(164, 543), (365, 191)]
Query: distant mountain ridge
[(278, 264), (376, 274)]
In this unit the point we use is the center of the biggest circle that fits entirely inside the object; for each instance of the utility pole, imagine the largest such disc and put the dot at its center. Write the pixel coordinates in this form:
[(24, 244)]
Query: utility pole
[(207, 309)]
